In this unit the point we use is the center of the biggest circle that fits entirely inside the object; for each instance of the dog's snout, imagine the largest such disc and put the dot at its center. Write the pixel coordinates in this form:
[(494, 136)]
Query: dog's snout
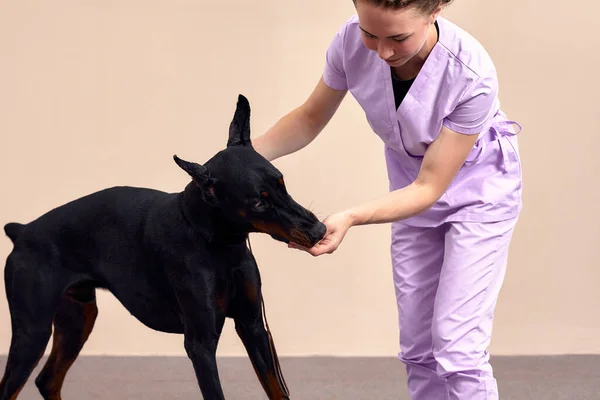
[(315, 229), (320, 231), (317, 232)]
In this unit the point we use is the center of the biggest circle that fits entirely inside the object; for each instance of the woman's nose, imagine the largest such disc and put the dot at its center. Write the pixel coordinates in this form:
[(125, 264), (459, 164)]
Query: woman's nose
[(384, 51)]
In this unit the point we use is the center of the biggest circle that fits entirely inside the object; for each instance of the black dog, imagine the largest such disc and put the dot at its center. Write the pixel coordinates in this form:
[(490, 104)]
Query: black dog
[(177, 262)]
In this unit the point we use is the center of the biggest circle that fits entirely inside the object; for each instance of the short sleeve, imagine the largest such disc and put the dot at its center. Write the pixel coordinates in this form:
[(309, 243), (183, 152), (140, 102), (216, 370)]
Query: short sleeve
[(476, 107), (333, 74)]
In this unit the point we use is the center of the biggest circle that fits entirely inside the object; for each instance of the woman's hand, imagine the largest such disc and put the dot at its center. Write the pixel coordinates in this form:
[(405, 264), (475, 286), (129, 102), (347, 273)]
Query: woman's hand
[(337, 225)]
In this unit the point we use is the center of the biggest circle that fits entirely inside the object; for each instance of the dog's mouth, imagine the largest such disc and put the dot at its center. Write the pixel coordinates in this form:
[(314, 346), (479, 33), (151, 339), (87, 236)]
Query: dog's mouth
[(274, 230), (294, 235), (279, 238), (301, 238)]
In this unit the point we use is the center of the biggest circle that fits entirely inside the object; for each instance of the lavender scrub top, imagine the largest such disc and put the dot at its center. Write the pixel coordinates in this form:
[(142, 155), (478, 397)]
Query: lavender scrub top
[(456, 87)]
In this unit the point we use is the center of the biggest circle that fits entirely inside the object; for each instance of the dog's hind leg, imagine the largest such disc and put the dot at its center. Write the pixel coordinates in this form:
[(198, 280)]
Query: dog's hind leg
[(32, 293), (248, 316), (73, 323)]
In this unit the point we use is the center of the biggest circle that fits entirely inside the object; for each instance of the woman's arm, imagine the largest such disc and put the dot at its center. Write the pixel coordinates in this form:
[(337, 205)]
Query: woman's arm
[(442, 161), (302, 125)]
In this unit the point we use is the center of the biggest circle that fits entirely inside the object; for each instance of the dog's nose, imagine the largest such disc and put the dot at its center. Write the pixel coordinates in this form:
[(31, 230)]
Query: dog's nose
[(319, 232)]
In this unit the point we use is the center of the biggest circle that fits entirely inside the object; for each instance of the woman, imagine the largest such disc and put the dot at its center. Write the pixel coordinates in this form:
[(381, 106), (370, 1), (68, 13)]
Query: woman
[(430, 92)]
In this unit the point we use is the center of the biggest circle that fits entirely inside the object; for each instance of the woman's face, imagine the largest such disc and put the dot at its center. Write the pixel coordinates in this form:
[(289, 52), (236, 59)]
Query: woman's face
[(396, 35)]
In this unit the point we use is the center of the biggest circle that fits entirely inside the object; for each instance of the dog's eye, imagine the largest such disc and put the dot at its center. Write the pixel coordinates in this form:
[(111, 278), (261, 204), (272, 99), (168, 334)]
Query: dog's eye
[(259, 205)]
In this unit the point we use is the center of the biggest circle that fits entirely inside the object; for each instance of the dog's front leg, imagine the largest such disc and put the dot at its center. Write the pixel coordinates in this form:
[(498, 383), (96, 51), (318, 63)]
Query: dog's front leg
[(248, 316), (203, 321), (201, 349)]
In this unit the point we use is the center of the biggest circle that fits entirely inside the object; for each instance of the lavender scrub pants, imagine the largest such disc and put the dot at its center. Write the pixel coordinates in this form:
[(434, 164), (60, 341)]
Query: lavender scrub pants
[(447, 280)]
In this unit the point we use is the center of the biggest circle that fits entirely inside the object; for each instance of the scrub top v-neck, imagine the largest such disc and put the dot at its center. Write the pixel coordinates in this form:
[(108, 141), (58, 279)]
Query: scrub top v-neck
[(402, 86)]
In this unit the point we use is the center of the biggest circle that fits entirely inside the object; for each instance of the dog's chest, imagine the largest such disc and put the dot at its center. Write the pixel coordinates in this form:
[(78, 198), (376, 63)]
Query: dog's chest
[(210, 262)]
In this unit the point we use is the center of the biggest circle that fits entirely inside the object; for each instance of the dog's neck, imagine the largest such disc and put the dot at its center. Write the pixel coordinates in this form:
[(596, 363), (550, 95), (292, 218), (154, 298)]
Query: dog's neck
[(207, 219)]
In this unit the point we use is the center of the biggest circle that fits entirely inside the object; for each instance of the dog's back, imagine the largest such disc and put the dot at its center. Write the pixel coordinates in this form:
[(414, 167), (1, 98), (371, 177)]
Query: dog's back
[(108, 238), (115, 213), (108, 227)]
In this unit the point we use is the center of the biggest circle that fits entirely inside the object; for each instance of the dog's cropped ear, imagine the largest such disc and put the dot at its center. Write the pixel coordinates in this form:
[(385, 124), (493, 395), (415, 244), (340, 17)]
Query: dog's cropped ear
[(201, 176), (198, 172), (239, 129)]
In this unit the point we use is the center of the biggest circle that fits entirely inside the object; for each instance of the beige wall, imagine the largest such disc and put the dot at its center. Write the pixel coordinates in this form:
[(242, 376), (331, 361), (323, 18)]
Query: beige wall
[(95, 94)]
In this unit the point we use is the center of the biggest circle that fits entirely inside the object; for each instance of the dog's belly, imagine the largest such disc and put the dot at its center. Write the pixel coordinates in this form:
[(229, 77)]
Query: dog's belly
[(153, 308), (145, 292)]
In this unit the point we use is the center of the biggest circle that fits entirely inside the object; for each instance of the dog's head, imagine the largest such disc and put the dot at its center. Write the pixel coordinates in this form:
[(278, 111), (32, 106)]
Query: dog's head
[(249, 191)]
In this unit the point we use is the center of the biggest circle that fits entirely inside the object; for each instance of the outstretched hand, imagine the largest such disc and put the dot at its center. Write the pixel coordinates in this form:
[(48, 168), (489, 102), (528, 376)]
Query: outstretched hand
[(337, 225)]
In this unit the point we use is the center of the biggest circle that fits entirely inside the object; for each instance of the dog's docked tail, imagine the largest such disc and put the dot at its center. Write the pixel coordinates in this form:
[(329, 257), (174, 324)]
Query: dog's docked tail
[(13, 230)]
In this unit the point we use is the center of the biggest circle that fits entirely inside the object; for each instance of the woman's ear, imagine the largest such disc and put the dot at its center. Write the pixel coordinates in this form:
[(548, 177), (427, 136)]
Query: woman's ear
[(435, 14)]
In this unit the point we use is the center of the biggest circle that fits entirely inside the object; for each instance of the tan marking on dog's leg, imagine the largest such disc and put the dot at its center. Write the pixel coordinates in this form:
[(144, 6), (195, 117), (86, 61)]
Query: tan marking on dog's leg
[(73, 325), (251, 292)]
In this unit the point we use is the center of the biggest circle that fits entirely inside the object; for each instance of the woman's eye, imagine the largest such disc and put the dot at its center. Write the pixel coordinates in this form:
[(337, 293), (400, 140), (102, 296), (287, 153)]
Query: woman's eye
[(367, 35)]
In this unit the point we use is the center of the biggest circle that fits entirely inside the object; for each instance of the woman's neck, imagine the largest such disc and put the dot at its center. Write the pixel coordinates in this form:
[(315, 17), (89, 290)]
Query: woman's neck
[(411, 69)]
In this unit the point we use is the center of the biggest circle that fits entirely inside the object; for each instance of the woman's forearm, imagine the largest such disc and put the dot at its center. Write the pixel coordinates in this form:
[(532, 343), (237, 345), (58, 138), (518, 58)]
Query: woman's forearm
[(442, 161), (396, 205), (291, 133)]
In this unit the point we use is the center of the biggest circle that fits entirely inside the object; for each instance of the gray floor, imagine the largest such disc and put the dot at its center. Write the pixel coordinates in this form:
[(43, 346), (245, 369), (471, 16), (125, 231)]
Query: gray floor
[(315, 378)]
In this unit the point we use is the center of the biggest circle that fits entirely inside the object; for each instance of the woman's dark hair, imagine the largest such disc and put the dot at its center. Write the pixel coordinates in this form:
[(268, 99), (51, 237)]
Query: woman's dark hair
[(424, 6)]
